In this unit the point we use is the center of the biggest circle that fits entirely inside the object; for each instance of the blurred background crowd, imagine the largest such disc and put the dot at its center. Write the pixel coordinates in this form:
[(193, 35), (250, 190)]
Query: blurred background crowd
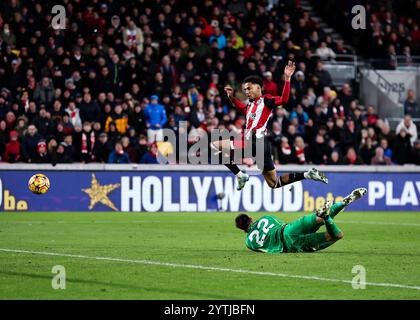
[(103, 89), (393, 28)]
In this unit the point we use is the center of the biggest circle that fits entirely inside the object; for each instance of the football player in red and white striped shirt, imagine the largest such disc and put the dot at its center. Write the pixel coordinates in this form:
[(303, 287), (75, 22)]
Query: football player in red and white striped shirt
[(258, 111)]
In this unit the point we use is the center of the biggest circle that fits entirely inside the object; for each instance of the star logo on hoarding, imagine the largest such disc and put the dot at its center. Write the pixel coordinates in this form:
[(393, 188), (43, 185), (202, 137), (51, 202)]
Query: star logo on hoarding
[(98, 193)]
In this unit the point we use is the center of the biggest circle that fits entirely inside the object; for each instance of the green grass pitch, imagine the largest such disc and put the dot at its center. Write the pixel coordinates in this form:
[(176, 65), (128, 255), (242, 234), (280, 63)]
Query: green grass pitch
[(201, 256)]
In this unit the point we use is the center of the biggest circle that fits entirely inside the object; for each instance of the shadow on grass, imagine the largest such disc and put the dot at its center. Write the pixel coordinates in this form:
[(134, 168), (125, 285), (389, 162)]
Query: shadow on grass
[(123, 286)]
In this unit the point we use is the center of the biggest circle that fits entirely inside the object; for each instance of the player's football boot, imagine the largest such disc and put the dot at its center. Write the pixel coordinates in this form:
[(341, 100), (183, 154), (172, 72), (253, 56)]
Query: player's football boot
[(324, 211), (316, 175), (242, 181), (354, 195)]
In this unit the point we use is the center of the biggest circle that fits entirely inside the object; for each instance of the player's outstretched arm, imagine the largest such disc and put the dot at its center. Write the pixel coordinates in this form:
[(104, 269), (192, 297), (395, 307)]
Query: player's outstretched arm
[(289, 69), (288, 72), (236, 102)]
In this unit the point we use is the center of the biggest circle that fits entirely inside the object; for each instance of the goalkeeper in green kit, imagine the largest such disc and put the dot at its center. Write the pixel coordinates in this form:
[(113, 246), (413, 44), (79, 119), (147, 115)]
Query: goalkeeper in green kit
[(269, 234)]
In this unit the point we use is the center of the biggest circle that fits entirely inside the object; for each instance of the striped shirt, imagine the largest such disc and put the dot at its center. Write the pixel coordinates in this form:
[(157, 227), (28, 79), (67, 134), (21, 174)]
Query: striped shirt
[(259, 111)]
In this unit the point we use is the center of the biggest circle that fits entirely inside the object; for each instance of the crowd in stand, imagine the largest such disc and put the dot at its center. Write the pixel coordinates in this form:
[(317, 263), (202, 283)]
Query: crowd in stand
[(392, 28), (103, 89)]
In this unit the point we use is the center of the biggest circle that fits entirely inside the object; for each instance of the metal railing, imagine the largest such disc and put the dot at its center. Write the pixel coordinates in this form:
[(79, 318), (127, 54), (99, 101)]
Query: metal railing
[(343, 68), (401, 62)]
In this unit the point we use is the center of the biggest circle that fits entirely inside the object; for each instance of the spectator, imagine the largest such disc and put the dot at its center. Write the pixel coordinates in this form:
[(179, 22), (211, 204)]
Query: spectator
[(198, 115), (292, 131), (57, 112), (352, 158), (89, 110), (165, 152), (201, 49), (128, 148), (311, 130), (380, 158), (150, 157), (300, 115), (132, 73), (391, 58), (4, 137), (30, 143), (68, 127), (42, 155), (348, 137), (133, 37), (275, 139), (52, 151), (408, 125), (287, 154), (300, 150), (113, 134), (16, 76), (300, 86), (372, 116), (334, 158), (44, 92), (416, 153), (383, 143), (346, 95), (119, 119), (43, 123), (270, 87), (386, 133), (102, 149), (106, 112), (69, 148), (318, 150), (10, 120), (411, 106), (105, 81), (236, 40), (86, 142), (155, 116), (193, 95), (323, 75), (367, 150), (21, 126), (140, 149), (74, 114), (281, 118), (324, 52), (219, 37), (168, 71), (402, 147), (118, 155), (13, 149), (61, 156)]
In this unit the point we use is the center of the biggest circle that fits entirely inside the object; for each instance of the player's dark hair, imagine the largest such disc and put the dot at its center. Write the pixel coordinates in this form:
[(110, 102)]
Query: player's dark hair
[(243, 221), (254, 80)]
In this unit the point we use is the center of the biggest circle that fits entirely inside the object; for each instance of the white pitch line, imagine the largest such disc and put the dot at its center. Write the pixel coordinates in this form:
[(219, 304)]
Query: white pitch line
[(381, 223), (85, 222), (191, 266)]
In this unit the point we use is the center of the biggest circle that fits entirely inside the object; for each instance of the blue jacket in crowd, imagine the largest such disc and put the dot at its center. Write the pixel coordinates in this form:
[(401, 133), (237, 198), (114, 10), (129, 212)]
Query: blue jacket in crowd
[(155, 113), (117, 158)]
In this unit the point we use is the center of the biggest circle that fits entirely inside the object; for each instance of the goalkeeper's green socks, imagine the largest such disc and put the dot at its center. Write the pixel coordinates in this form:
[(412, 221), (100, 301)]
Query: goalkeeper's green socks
[(324, 244), (332, 228), (336, 208)]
